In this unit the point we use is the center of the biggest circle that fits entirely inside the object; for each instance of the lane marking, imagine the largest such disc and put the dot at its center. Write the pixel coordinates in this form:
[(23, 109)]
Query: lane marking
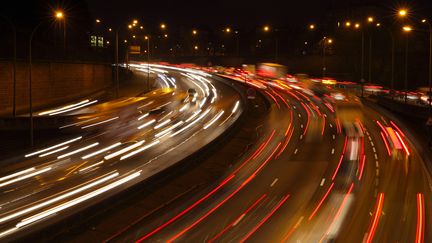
[(274, 182), (373, 148), (376, 157), (334, 137), (322, 181), (295, 151)]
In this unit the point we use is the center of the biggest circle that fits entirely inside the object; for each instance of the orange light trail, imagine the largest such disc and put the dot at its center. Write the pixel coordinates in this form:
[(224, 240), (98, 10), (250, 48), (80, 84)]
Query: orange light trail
[(376, 217), (321, 202), (420, 219)]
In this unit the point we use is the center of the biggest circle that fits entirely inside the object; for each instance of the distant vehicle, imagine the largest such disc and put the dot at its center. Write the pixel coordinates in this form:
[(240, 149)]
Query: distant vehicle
[(271, 70), (192, 95), (348, 110)]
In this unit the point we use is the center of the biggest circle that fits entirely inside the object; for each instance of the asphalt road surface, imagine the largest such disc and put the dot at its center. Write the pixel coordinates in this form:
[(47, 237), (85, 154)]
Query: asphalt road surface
[(312, 177)]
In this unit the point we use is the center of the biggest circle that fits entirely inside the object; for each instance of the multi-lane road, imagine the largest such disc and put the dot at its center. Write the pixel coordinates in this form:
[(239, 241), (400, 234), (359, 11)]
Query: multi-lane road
[(114, 145), (309, 179), (314, 175)]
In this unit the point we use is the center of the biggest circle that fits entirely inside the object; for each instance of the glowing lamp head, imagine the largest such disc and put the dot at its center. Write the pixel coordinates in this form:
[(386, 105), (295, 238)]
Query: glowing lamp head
[(266, 28), (407, 28), (348, 24), (370, 19), (403, 12), (59, 15), (312, 27)]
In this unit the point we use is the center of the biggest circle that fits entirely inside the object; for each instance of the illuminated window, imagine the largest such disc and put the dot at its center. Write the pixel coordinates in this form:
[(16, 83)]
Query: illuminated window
[(93, 41), (100, 42)]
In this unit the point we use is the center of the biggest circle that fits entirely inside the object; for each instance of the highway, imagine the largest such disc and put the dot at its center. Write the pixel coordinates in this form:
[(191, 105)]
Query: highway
[(113, 145), (312, 177)]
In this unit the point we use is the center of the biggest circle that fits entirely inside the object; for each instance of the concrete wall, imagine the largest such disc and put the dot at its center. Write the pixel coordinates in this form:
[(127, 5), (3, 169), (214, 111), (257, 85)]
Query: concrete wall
[(53, 83)]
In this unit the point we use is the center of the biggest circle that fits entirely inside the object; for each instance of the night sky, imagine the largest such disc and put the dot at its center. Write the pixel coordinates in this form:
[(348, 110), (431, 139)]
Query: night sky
[(243, 14)]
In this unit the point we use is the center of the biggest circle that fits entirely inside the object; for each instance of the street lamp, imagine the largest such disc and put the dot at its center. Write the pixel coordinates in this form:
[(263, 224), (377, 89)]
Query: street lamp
[(357, 25), (98, 21), (194, 32), (147, 38), (325, 41), (430, 63), (312, 27), (406, 29), (266, 28), (347, 24), (370, 19), (163, 26), (403, 12), (59, 15), (228, 30)]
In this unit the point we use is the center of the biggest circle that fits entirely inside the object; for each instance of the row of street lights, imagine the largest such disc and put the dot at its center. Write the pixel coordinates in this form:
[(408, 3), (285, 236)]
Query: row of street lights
[(370, 21)]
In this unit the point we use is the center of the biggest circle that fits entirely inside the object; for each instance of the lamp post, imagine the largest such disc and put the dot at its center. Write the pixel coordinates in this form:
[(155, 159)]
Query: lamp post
[(424, 21), (13, 27), (266, 28), (406, 29), (58, 15), (116, 54), (392, 56), (325, 41), (147, 38), (402, 13)]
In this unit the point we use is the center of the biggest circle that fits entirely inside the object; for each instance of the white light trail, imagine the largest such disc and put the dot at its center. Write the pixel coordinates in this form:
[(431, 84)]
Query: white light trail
[(166, 131), (73, 108), (235, 107), (79, 189), (213, 120), (78, 123), (101, 151), (91, 166), (143, 116), (76, 201), (147, 124), (162, 124), (78, 150), (192, 123), (52, 147), (53, 151), (139, 150), (101, 122), (17, 174), (124, 150), (63, 108), (25, 177)]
